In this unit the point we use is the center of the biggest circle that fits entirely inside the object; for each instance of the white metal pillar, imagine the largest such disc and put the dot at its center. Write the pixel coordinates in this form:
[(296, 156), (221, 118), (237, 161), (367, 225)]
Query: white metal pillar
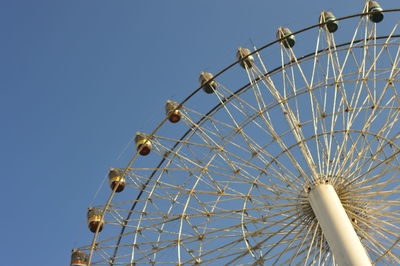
[(336, 226)]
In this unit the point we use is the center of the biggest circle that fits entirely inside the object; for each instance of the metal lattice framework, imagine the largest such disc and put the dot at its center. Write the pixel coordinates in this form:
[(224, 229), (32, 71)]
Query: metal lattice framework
[(229, 184)]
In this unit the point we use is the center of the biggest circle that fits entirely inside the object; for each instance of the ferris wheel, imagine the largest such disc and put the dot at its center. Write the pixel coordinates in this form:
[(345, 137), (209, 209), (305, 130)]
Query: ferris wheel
[(294, 158)]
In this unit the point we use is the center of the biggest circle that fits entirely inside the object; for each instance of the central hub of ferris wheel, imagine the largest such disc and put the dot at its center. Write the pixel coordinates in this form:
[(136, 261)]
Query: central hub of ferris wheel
[(336, 226)]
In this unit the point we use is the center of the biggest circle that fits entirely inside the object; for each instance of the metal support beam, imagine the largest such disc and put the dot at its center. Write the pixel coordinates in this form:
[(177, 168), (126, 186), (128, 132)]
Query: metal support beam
[(336, 226)]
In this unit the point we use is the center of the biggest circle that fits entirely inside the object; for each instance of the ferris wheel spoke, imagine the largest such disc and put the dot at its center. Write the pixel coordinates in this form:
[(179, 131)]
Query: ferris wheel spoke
[(359, 197), (363, 163), (280, 241), (376, 246), (357, 213), (184, 210), (174, 199), (352, 178), (283, 173), (388, 251), (276, 232), (294, 243), (354, 146), (339, 79), (302, 247), (377, 56), (294, 120), (246, 138), (240, 163), (343, 146), (312, 245), (266, 118), (371, 183), (263, 151), (319, 112), (240, 238), (378, 202), (252, 142), (243, 106), (261, 170), (214, 144)]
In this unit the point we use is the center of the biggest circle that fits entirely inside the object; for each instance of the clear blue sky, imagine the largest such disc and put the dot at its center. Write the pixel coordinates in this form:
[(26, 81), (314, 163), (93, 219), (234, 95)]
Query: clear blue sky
[(79, 77)]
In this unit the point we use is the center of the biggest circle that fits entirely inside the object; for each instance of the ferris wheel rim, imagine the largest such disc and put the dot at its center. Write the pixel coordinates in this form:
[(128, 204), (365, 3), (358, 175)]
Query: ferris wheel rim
[(219, 105)]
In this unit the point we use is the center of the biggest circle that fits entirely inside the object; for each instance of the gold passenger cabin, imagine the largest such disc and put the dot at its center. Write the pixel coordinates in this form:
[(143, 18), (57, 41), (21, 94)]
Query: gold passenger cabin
[(94, 219), (79, 258), (143, 144), (116, 179), (172, 111)]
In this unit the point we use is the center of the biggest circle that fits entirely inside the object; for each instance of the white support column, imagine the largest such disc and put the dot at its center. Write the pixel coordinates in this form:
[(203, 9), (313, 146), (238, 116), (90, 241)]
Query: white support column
[(336, 227)]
